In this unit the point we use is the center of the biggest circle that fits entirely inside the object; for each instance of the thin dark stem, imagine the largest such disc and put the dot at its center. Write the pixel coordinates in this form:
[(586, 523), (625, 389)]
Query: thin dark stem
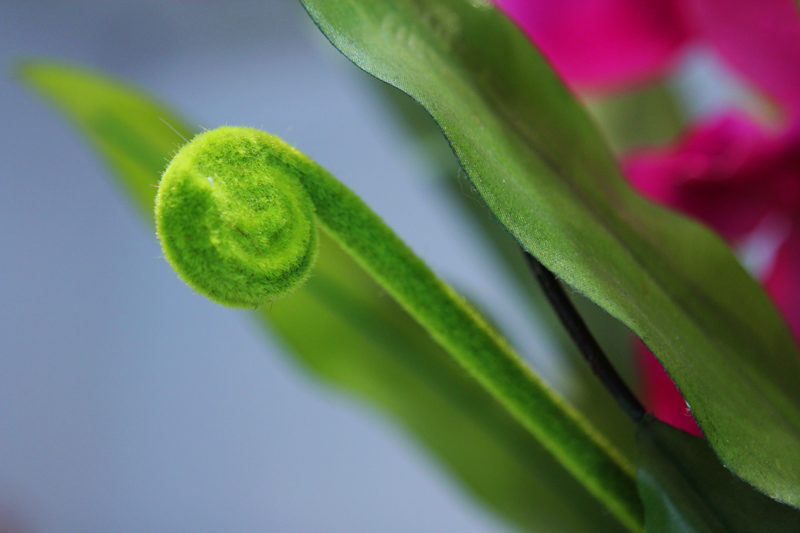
[(586, 343)]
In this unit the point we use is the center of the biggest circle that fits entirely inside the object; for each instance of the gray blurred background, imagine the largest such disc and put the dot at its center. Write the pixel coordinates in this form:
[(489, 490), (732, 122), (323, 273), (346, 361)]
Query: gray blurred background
[(127, 402)]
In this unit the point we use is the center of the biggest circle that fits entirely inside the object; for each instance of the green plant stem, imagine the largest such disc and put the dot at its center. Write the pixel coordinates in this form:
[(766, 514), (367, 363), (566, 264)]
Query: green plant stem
[(469, 338), (585, 341)]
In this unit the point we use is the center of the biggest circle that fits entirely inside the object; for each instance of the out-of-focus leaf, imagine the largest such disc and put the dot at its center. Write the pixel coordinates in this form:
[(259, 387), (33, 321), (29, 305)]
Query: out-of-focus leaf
[(347, 332), (644, 116), (685, 489), (131, 131), (537, 160)]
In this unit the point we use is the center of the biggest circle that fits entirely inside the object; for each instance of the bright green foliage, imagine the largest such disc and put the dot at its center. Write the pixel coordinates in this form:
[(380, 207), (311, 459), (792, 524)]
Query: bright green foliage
[(346, 332), (454, 324), (538, 162), (686, 490), (234, 219)]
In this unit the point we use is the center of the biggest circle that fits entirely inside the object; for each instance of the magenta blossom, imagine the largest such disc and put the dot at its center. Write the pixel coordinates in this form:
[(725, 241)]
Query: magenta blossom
[(744, 182), (607, 44), (729, 173)]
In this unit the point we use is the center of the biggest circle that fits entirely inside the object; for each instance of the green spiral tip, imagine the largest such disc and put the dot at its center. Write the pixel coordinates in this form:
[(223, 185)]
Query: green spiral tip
[(234, 219)]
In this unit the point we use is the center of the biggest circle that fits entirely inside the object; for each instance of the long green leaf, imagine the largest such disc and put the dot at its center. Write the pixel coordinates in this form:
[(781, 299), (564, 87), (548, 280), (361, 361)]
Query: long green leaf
[(583, 389), (686, 490), (542, 168), (364, 343), (586, 392), (344, 331)]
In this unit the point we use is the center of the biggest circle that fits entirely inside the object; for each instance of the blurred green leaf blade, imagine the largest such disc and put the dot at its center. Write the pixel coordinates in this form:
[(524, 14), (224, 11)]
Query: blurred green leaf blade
[(539, 163), (345, 331), (685, 489), (133, 133)]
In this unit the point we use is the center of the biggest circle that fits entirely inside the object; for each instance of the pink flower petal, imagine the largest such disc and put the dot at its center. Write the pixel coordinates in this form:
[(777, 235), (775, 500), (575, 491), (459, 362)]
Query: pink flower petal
[(709, 175), (661, 396), (783, 282), (761, 39), (741, 181), (603, 44)]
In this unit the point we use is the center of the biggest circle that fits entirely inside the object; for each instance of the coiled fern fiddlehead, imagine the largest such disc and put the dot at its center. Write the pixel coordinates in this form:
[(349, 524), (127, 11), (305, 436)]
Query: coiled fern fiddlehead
[(236, 212), (234, 218)]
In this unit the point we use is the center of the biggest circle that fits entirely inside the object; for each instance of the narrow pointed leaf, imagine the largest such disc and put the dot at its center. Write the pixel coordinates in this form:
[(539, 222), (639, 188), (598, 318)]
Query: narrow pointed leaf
[(540, 165), (344, 331)]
